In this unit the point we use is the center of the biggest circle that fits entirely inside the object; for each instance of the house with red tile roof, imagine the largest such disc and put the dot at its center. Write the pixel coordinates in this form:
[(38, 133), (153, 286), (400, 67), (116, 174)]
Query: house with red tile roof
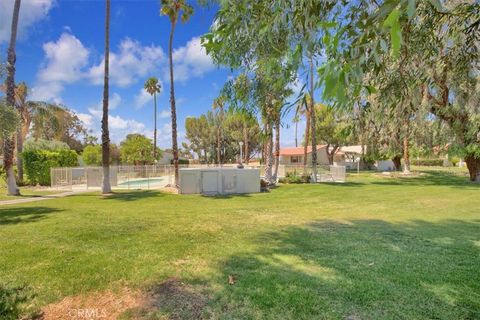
[(295, 155)]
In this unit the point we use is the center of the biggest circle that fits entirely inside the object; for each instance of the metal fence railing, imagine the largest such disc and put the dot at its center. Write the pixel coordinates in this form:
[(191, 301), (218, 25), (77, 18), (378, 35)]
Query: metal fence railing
[(159, 176)]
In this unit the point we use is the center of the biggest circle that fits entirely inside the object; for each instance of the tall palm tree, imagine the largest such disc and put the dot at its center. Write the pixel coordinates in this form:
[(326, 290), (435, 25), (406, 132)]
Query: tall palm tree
[(9, 143), (172, 9), (153, 87), (106, 188), (302, 109), (219, 106)]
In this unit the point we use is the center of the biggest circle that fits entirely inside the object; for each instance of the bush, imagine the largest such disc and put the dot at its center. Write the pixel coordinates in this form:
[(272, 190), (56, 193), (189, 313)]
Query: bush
[(12, 300), (293, 177), (37, 163), (454, 161), (42, 144), (428, 162), (181, 161)]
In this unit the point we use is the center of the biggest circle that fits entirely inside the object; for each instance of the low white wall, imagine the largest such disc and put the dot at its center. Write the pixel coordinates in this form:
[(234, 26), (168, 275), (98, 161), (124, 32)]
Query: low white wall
[(219, 180)]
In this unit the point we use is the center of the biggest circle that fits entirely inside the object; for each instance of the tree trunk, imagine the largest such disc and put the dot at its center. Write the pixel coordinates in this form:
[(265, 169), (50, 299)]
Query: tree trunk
[(172, 106), (313, 125), (296, 134), (406, 156), (277, 147), (307, 137), (245, 142), (19, 155), (269, 153), (106, 188), (9, 143), (397, 162), (155, 127), (218, 146), (473, 166)]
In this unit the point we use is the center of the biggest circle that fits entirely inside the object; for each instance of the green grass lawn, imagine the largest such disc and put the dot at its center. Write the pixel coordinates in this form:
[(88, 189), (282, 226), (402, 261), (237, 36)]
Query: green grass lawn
[(373, 248), (26, 192)]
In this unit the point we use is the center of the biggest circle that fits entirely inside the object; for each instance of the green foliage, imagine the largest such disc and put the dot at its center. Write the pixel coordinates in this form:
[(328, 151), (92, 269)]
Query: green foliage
[(37, 163), (428, 162), (42, 144), (13, 301), (295, 178), (92, 155), (137, 149)]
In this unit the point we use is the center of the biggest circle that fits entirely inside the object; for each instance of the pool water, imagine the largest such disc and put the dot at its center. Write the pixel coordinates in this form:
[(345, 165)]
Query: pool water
[(144, 182)]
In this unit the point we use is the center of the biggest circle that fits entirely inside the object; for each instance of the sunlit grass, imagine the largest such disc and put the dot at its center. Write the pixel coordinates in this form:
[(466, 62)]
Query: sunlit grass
[(373, 248)]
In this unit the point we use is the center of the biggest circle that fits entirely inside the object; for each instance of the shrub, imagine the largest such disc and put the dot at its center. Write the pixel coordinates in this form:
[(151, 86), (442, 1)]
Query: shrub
[(12, 300), (181, 161), (294, 177), (428, 162), (454, 161), (42, 144), (37, 163)]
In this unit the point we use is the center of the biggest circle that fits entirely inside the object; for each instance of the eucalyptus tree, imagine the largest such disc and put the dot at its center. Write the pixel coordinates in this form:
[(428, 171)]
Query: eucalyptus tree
[(444, 57), (174, 9), (106, 188), (153, 88), (8, 141)]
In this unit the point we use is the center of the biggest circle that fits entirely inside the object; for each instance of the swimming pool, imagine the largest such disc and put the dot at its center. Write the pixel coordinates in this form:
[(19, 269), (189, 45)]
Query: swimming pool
[(145, 182)]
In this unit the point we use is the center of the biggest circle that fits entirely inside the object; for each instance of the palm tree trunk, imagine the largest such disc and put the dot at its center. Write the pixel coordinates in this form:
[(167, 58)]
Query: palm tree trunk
[(172, 106), (245, 142), (218, 146), (269, 152), (296, 134), (106, 188), (307, 138), (313, 125), (277, 147), (19, 154), (155, 127), (9, 143)]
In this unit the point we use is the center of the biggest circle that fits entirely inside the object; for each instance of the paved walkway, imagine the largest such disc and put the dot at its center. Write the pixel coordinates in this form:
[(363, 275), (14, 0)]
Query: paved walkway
[(41, 198)]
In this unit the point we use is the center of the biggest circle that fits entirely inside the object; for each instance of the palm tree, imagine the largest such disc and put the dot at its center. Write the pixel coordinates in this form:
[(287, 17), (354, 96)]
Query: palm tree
[(172, 9), (9, 143), (153, 87), (106, 188), (302, 109)]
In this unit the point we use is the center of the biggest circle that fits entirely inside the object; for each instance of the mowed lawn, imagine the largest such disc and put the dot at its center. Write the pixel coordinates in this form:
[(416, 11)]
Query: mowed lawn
[(372, 248)]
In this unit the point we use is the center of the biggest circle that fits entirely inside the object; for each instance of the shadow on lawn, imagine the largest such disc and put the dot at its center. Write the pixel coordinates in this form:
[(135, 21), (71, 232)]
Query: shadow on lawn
[(362, 269), (133, 195), (24, 215)]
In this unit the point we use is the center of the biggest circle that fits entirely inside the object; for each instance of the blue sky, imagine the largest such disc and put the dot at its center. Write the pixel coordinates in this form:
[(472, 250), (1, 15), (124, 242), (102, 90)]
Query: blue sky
[(60, 56)]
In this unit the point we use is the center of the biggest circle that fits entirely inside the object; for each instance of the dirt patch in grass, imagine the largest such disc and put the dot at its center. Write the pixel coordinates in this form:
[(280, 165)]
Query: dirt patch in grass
[(106, 305), (171, 299)]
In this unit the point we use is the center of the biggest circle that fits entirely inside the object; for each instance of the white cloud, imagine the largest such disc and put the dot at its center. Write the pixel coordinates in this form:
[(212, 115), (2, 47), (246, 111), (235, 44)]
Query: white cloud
[(142, 98), (64, 63), (131, 63), (191, 60), (31, 11), (164, 114), (86, 118)]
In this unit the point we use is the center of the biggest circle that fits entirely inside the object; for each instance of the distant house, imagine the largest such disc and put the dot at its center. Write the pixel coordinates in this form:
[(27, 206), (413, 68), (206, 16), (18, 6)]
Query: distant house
[(294, 155)]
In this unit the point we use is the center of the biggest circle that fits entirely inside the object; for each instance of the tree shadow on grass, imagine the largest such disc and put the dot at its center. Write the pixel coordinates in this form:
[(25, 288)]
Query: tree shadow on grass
[(133, 195), (362, 269), (24, 214), (433, 178)]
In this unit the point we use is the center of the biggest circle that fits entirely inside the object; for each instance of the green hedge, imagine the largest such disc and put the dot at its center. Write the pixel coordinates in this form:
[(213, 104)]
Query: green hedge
[(37, 163), (428, 162)]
